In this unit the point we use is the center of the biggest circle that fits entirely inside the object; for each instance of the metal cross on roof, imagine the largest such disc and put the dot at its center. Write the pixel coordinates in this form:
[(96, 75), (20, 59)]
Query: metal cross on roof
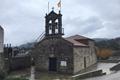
[(52, 8)]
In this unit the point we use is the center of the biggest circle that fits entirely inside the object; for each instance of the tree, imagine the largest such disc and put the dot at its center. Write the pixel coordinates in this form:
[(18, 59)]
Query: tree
[(104, 53)]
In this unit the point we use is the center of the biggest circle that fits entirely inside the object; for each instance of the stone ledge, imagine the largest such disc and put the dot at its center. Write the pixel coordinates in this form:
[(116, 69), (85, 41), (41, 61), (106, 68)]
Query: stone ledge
[(89, 74)]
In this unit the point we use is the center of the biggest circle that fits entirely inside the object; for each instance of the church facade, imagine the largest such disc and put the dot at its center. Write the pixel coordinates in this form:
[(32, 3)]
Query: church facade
[(63, 55)]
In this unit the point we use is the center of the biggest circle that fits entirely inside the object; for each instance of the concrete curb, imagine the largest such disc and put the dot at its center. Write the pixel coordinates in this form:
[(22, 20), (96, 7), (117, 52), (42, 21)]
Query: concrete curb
[(89, 74)]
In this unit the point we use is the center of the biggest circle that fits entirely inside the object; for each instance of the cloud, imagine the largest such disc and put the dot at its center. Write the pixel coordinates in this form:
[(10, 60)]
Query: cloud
[(83, 27), (106, 14), (23, 20)]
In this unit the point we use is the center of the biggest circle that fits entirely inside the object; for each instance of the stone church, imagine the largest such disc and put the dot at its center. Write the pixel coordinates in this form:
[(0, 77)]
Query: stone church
[(1, 48), (62, 55)]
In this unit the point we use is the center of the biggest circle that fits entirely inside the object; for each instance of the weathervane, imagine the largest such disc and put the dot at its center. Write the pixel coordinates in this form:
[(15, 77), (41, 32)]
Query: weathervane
[(58, 5)]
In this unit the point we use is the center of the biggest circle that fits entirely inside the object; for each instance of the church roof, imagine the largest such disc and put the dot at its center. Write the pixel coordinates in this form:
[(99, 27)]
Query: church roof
[(78, 37), (52, 14), (76, 43), (73, 39)]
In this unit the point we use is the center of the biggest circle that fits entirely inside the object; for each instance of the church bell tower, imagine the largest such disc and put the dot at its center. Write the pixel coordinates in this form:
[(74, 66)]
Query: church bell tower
[(53, 24)]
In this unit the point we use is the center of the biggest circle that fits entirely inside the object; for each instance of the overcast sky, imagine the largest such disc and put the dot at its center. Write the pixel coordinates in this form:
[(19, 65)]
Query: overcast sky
[(23, 20)]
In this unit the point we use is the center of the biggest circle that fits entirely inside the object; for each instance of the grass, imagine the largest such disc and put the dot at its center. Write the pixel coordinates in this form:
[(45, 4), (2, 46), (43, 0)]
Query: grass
[(52, 76), (18, 75), (2, 75), (16, 79)]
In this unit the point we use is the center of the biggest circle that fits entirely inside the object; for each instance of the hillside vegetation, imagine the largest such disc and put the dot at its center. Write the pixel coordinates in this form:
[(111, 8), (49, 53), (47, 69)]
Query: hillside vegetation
[(113, 44)]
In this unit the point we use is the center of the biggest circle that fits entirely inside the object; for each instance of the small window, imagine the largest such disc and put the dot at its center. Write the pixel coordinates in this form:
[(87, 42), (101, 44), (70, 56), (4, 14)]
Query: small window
[(63, 63)]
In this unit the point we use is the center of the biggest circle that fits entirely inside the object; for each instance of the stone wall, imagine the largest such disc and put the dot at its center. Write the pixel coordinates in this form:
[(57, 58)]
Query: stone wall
[(21, 62), (1, 49), (1, 62), (77, 58), (93, 51), (84, 57), (54, 47), (1, 39), (79, 54)]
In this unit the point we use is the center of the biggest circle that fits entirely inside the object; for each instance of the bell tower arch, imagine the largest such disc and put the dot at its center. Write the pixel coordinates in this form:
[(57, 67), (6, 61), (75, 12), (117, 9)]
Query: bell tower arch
[(53, 24)]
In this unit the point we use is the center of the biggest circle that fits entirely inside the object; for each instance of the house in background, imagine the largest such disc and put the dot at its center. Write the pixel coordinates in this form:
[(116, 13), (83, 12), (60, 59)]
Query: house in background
[(63, 55), (1, 49)]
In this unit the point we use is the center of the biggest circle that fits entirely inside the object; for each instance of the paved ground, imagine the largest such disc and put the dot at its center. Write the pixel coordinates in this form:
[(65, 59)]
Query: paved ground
[(105, 67), (30, 74), (112, 76)]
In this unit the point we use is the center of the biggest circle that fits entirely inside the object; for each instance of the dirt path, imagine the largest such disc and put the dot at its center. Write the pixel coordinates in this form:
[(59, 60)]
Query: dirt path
[(32, 73)]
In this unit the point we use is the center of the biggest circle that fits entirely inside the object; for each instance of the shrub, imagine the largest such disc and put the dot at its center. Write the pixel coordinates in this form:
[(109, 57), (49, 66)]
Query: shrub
[(2, 75), (104, 53)]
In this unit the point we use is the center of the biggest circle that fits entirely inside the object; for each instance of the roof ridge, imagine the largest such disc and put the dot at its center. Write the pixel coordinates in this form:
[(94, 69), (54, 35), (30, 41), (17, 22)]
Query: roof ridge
[(77, 37)]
